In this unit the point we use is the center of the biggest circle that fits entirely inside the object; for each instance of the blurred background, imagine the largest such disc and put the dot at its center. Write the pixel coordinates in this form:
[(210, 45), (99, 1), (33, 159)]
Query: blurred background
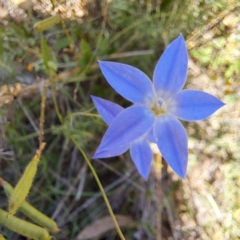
[(205, 205)]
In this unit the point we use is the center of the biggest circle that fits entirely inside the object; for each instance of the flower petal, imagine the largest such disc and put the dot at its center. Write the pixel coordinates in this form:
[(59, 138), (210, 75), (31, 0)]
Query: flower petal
[(172, 142), (108, 110), (150, 136), (111, 153), (170, 72), (129, 82), (130, 124), (192, 105), (142, 156)]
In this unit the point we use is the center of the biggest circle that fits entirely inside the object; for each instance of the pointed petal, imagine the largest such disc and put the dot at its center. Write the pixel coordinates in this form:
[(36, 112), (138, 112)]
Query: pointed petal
[(129, 82), (170, 72), (111, 153), (192, 105), (130, 124), (108, 110), (142, 156), (172, 142)]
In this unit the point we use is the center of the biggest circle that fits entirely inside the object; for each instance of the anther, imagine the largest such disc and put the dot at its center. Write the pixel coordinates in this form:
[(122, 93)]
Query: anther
[(160, 103)]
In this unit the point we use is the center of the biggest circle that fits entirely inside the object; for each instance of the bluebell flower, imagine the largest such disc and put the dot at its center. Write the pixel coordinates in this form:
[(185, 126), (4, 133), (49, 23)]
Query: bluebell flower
[(140, 150), (156, 108)]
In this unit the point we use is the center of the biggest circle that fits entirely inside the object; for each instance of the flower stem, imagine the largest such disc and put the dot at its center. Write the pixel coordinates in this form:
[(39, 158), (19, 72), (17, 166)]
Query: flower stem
[(100, 187), (92, 169), (158, 176)]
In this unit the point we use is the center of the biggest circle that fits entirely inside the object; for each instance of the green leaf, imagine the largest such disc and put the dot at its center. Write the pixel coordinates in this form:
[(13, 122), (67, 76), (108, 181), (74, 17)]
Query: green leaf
[(47, 23), (49, 63), (85, 53)]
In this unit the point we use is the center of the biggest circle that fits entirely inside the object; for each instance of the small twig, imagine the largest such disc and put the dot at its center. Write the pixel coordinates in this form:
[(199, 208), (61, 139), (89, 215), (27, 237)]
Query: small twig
[(39, 150), (128, 54), (26, 91), (42, 114)]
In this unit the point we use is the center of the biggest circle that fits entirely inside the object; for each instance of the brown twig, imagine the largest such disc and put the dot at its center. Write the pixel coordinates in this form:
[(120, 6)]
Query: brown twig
[(42, 114), (24, 91)]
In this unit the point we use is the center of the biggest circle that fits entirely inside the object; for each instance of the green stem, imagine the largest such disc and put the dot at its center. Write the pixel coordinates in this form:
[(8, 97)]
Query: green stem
[(100, 187), (93, 172)]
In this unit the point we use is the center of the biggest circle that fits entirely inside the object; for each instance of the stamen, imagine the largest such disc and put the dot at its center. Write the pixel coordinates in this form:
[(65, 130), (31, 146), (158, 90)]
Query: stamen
[(160, 103)]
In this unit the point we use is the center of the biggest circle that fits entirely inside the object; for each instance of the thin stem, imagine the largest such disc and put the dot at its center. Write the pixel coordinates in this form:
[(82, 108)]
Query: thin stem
[(158, 176), (42, 114), (56, 106), (71, 42), (82, 114), (93, 171), (100, 187)]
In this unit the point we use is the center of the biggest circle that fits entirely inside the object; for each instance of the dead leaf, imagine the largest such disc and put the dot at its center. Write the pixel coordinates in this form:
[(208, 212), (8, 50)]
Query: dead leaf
[(105, 224)]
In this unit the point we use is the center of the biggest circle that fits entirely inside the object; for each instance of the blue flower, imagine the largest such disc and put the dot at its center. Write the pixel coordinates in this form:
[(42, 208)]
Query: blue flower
[(140, 150), (155, 111)]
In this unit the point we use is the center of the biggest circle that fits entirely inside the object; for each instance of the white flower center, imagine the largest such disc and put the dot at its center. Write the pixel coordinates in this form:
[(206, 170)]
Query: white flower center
[(159, 107), (160, 103)]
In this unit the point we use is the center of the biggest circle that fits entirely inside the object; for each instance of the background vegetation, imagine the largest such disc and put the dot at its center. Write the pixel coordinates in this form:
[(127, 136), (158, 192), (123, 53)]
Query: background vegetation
[(206, 205)]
